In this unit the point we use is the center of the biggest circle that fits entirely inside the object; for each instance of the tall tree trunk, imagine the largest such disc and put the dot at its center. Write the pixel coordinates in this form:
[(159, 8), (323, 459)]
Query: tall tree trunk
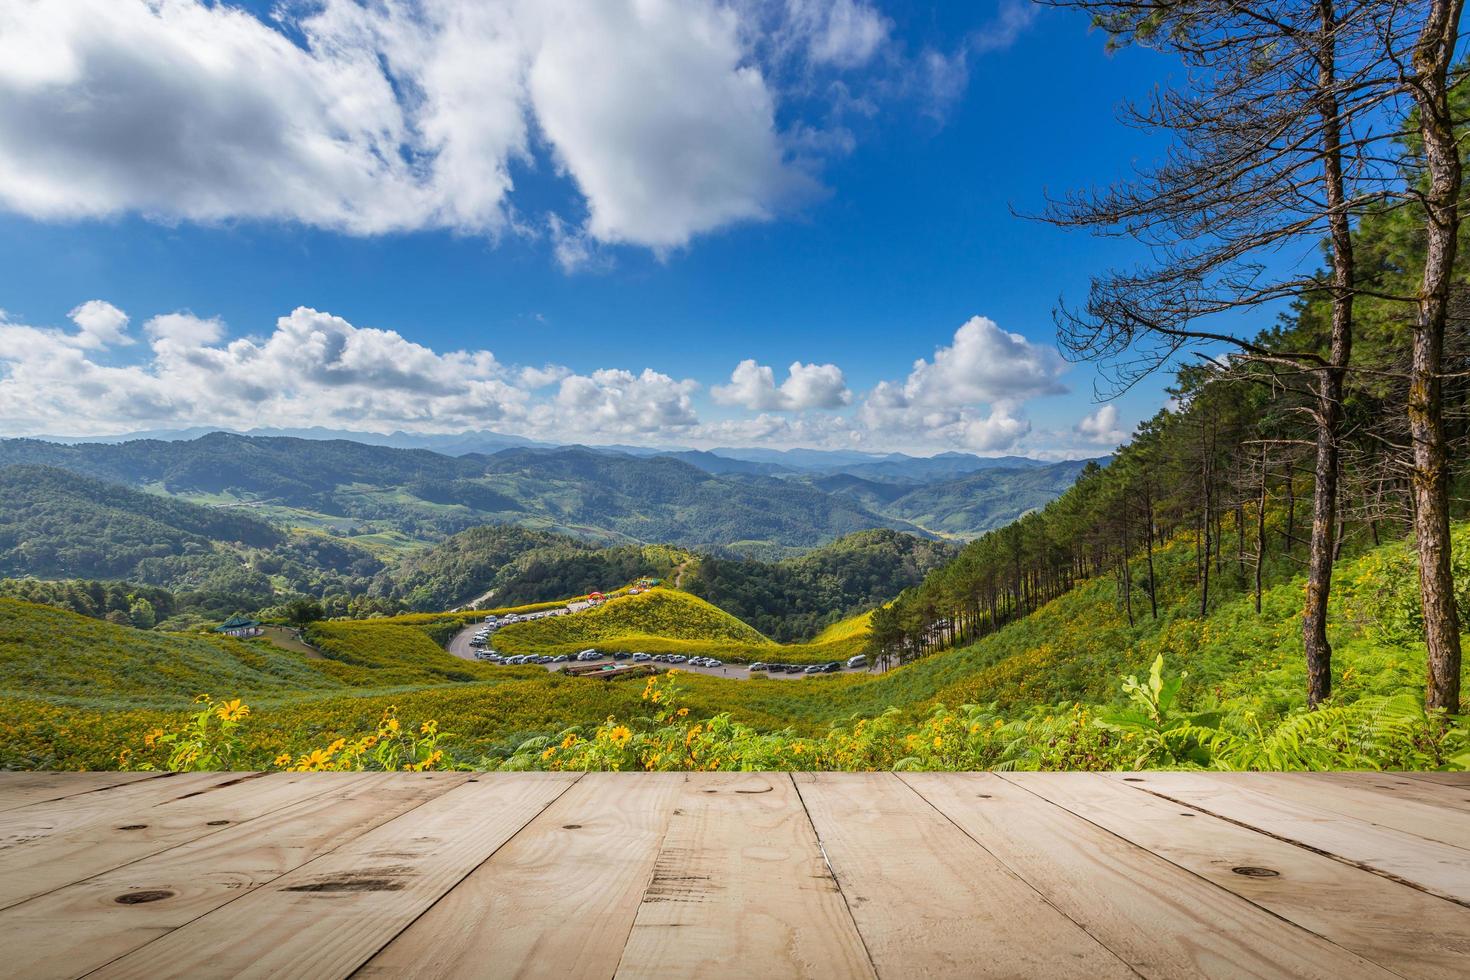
[(1153, 595), (1432, 57), (1261, 529), (1330, 378)]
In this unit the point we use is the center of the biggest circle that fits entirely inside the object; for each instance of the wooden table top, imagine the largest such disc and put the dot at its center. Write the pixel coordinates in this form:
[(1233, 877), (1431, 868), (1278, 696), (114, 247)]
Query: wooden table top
[(1333, 875)]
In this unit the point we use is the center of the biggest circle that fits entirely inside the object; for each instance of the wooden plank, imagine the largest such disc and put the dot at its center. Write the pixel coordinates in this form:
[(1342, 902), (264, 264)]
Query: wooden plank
[(1440, 869), (740, 889), (49, 845), (1400, 786), (18, 789), (1393, 925), (329, 916), (116, 912), (42, 818), (1457, 779), (558, 900), (1359, 799), (1161, 919), (928, 899)]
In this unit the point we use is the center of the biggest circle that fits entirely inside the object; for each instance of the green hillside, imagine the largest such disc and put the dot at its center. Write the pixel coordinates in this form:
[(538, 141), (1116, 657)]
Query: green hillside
[(649, 621), (56, 524), (795, 599), (514, 565), (77, 702)]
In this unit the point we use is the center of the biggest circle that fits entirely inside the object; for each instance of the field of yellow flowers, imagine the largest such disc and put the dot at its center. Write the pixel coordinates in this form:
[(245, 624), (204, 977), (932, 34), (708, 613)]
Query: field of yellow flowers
[(1045, 692)]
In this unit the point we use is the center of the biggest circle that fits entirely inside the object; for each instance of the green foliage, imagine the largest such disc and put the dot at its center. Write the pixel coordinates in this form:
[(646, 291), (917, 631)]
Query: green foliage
[(796, 598), (517, 566)]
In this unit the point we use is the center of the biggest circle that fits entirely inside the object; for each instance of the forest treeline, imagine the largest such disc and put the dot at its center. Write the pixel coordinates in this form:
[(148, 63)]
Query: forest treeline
[(1342, 422)]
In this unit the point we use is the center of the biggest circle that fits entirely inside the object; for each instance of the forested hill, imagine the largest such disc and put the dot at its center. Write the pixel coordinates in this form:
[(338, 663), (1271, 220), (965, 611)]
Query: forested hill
[(56, 524), (516, 566), (961, 507), (795, 599), (398, 499)]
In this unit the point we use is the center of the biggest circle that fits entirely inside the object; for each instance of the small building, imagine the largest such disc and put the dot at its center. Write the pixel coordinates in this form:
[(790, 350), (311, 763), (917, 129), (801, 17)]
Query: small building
[(649, 583), (239, 626)]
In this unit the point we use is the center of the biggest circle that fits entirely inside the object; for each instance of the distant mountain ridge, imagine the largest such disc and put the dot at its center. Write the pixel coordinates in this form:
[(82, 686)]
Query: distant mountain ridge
[(488, 442), (399, 498)]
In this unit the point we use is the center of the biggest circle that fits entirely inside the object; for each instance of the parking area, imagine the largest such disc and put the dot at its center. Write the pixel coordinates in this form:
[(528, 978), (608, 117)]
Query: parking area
[(462, 645)]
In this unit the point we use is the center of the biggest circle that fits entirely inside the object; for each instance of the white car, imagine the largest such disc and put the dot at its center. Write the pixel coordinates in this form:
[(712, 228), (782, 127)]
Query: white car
[(589, 655)]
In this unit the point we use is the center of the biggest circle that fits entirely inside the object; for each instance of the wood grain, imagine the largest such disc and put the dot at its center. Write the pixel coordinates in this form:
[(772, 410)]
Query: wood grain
[(77, 837), (976, 918), (1359, 798), (1440, 869), (740, 889), (18, 789), (329, 916), (558, 900), (1158, 917), (119, 911), (1397, 927)]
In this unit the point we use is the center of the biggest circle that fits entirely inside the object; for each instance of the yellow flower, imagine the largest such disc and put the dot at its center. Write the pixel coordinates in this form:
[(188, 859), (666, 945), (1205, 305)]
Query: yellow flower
[(620, 735), (282, 760), (151, 739), (232, 710), (550, 751), (428, 728), (313, 761), (336, 746), (938, 742), (683, 712), (390, 725), (569, 741)]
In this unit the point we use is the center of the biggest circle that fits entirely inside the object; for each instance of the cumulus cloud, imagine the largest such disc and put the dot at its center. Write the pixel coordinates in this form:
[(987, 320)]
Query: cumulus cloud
[(942, 398), (1101, 427), (367, 118), (311, 367), (807, 386), (618, 402), (100, 324)]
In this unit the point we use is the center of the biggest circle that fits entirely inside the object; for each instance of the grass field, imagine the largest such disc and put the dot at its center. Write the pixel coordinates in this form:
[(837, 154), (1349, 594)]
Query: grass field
[(669, 621), (75, 690)]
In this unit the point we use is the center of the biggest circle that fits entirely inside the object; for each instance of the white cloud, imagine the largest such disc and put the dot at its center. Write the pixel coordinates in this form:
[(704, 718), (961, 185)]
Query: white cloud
[(807, 386), (1101, 427), (617, 402), (654, 112), (313, 368), (544, 376), (367, 118), (845, 33), (100, 324), (941, 399)]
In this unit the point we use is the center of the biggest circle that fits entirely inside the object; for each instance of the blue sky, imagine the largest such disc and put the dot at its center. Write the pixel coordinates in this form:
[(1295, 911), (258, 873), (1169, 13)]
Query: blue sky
[(895, 157)]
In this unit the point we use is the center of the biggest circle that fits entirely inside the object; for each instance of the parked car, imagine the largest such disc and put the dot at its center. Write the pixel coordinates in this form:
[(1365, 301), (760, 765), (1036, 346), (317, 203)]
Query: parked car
[(831, 668), (712, 662), (639, 658), (854, 663), (589, 654), (620, 655), (758, 666), (815, 669)]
